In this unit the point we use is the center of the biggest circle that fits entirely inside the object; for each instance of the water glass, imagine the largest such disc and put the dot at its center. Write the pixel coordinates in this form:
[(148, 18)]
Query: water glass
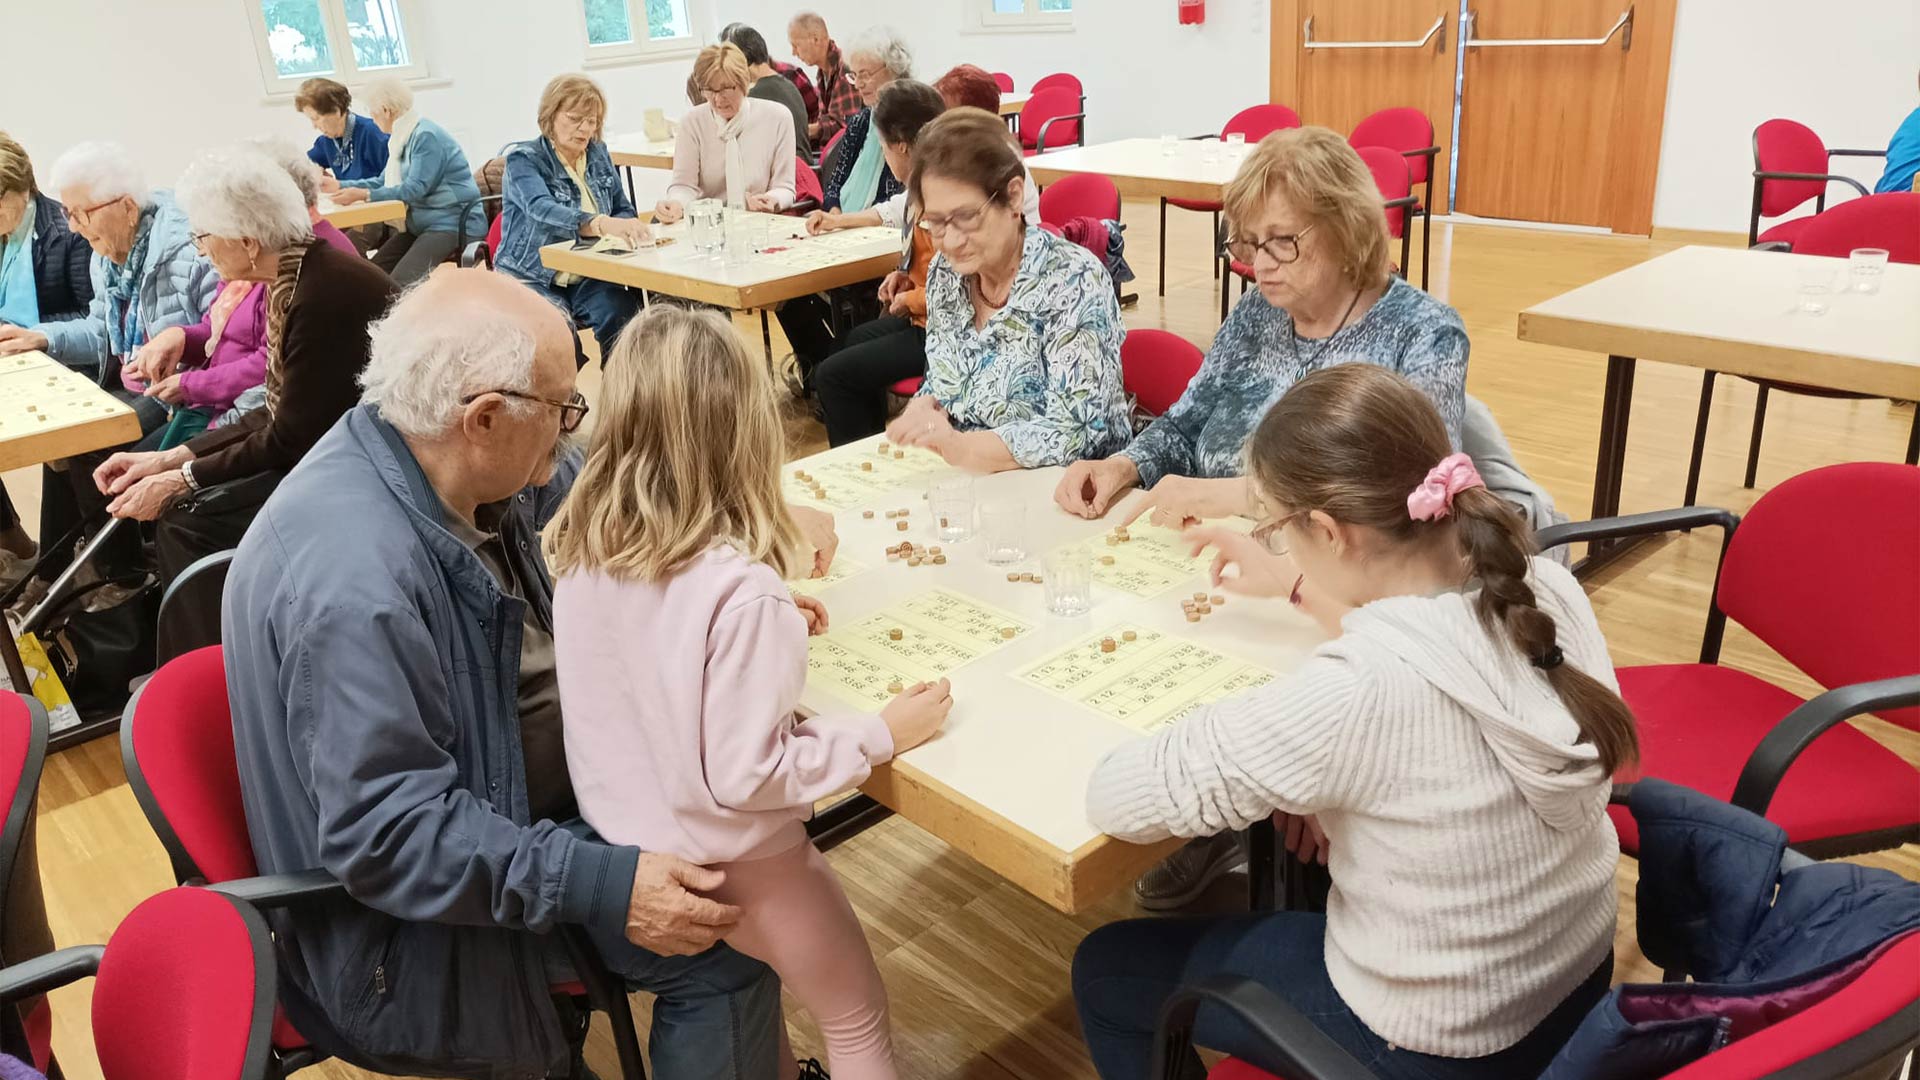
[(1167, 145), (1864, 266), (1236, 143), (1816, 285), (705, 219), (740, 239), (950, 500), (1067, 577), (1003, 525)]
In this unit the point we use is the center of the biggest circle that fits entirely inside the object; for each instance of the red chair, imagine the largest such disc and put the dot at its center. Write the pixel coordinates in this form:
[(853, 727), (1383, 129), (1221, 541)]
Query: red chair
[(1256, 123), (1052, 119), (1156, 366), (1825, 570), (1790, 166), (1391, 176), (1410, 133), (1079, 195), (908, 387), (806, 187), (176, 742), (183, 990), (1890, 221), (26, 1031), (1004, 81), (1061, 80)]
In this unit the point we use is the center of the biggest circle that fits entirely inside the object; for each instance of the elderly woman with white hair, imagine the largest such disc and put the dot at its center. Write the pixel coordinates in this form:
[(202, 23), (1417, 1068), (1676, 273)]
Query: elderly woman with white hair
[(426, 170), (861, 177), (248, 216)]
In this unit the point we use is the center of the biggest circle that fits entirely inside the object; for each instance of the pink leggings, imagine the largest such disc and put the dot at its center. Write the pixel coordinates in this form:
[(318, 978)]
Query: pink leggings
[(796, 920)]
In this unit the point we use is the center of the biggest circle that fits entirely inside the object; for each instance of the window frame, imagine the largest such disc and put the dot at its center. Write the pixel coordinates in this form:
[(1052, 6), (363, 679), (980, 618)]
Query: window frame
[(1030, 20), (413, 27), (644, 50)]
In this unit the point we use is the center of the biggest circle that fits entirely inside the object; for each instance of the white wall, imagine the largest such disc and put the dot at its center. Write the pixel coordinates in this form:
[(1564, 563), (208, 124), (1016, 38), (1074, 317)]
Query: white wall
[(1846, 69)]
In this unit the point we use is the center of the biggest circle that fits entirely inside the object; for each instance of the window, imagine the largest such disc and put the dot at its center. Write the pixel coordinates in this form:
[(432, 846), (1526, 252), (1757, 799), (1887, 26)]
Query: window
[(347, 40), (625, 30), (1025, 14)]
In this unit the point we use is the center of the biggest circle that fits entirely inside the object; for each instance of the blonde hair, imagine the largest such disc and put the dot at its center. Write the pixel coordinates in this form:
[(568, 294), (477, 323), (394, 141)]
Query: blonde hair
[(728, 60), (686, 453), (1327, 182), (567, 91), (16, 169)]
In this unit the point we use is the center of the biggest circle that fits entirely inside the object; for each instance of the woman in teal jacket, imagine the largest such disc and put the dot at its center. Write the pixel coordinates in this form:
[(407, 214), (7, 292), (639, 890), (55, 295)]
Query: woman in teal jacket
[(426, 170)]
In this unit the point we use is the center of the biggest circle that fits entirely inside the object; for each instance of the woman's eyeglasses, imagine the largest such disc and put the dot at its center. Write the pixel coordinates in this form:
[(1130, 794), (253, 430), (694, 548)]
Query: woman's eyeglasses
[(1282, 249), (572, 411), (964, 222), (714, 93)]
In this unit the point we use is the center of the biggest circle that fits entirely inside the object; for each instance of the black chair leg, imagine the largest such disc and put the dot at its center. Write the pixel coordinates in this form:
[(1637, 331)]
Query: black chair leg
[(1223, 302), (1759, 424), (1913, 438), (1163, 247), (1426, 231), (1219, 264), (1699, 437)]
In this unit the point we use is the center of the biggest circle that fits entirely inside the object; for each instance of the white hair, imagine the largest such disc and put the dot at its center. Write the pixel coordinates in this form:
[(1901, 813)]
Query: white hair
[(387, 95), (883, 44), (810, 21), (104, 170), (426, 358), (293, 158), (240, 193)]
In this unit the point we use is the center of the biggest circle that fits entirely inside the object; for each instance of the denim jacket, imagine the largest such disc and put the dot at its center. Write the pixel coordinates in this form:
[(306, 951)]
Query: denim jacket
[(542, 205), (372, 663), (435, 183)]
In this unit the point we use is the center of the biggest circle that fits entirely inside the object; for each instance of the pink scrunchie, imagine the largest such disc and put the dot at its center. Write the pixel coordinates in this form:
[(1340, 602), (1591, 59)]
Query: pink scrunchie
[(1433, 499)]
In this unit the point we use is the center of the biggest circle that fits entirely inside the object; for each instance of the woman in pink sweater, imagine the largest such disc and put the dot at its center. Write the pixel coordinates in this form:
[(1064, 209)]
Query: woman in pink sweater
[(682, 654)]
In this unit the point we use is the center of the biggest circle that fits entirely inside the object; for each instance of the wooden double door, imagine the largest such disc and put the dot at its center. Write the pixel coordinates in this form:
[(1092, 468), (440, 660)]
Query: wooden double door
[(1544, 110)]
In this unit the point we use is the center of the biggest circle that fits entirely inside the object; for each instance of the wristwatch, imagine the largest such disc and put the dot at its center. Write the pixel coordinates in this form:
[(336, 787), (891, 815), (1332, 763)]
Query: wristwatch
[(186, 473)]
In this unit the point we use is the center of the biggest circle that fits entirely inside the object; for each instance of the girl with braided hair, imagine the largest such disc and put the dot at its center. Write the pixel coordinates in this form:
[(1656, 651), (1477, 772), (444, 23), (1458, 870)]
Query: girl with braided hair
[(1447, 754)]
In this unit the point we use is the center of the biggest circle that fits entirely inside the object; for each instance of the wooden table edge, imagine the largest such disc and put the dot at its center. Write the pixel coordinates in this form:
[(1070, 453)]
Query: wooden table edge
[(738, 297), (1877, 377), (366, 213), (69, 441), (639, 160)]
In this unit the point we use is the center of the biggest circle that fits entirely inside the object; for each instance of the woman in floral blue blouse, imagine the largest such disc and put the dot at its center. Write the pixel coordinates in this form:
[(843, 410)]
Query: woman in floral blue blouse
[(1023, 328)]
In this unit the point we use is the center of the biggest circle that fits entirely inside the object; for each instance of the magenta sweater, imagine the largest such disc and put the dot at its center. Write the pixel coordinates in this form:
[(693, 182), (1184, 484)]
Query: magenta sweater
[(679, 698)]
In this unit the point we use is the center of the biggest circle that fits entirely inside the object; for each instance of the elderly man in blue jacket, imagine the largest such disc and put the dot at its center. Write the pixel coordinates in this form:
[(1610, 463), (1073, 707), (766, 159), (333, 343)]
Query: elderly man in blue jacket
[(397, 722)]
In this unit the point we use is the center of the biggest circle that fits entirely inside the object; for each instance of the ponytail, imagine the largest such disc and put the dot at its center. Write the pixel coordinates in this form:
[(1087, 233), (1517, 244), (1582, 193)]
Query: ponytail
[(1497, 547)]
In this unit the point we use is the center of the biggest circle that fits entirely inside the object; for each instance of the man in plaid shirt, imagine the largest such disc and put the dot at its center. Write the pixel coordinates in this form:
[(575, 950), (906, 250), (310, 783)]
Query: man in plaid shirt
[(798, 77), (807, 34)]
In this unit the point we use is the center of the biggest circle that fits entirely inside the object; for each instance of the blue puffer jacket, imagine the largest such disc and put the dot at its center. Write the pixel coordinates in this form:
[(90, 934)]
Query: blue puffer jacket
[(176, 288), (435, 183), (62, 263), (542, 204)]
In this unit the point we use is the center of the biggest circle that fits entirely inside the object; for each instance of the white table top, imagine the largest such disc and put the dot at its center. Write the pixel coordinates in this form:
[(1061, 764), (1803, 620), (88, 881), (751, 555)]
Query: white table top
[(1734, 310), (1013, 751), (810, 264), (49, 411), (635, 148), (1196, 168)]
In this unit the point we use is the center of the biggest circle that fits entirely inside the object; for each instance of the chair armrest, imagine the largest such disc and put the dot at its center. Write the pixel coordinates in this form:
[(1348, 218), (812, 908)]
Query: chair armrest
[(1772, 245), (1653, 521), (1759, 174), (1302, 1050), (1768, 763), (1040, 138), (284, 890), (1404, 200), (476, 254), (1834, 152), (49, 972), (802, 207), (1425, 152), (1214, 135)]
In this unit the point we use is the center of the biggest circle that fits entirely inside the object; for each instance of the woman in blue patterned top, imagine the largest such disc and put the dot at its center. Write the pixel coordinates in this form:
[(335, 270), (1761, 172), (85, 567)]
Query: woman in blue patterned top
[(1305, 213), (1023, 329)]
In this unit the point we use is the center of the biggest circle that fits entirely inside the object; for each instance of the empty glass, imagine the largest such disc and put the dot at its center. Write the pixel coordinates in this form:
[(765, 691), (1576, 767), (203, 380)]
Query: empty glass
[(740, 238), (1067, 577), (1816, 285), (1864, 266), (1003, 526), (1236, 144), (950, 500)]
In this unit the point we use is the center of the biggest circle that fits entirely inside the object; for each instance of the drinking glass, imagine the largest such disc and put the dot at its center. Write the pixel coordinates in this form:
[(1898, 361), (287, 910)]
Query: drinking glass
[(1236, 143), (1003, 525), (1816, 285), (950, 500), (1067, 576), (1864, 266)]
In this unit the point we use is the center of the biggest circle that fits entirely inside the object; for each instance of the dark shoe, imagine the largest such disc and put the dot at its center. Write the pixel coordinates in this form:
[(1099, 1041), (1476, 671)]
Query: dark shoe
[(811, 1069), (1185, 874)]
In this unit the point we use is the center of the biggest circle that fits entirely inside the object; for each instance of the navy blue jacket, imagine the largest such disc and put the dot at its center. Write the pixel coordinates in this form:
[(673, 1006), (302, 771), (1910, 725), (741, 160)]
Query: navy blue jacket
[(62, 263), (363, 146)]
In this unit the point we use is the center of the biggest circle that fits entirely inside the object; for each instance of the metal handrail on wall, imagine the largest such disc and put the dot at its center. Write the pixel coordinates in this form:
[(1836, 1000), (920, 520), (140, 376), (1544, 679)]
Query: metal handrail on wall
[(1307, 42), (1625, 22)]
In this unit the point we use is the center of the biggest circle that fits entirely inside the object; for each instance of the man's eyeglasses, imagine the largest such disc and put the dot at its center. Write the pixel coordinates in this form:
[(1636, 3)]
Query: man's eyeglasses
[(965, 222), (1281, 249), (572, 411)]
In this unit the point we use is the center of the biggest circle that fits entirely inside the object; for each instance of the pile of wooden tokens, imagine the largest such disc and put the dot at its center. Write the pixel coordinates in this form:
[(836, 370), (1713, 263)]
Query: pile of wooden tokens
[(1026, 576), (817, 489), (1200, 604), (1119, 535), (1108, 644), (914, 555)]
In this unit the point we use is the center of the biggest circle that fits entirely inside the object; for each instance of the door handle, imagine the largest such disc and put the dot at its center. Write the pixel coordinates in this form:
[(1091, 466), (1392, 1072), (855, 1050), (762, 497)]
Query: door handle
[(1624, 23), (1307, 42)]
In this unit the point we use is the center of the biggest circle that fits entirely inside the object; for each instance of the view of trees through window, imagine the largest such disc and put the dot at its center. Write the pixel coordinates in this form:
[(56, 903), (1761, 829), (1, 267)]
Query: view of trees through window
[(609, 22), (298, 36)]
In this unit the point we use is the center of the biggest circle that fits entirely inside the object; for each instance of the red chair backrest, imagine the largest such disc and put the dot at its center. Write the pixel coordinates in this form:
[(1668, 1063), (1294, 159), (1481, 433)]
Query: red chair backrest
[(1890, 221), (1062, 80), (1826, 570), (1399, 130), (1080, 195), (1260, 121), (1859, 1017), (1156, 366), (493, 235), (23, 753), (806, 182), (177, 745), (1788, 146), (1043, 106), (1390, 175), (185, 991), (1004, 81)]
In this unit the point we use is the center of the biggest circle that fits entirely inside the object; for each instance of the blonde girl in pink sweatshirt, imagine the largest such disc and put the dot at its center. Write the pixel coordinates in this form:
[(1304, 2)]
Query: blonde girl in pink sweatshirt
[(682, 654)]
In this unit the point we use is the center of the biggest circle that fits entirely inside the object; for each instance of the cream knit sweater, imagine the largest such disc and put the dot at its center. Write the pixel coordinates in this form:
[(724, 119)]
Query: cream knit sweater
[(1471, 854)]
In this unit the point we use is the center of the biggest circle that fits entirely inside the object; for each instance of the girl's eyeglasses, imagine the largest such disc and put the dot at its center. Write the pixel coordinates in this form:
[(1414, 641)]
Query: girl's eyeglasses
[(1269, 533)]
